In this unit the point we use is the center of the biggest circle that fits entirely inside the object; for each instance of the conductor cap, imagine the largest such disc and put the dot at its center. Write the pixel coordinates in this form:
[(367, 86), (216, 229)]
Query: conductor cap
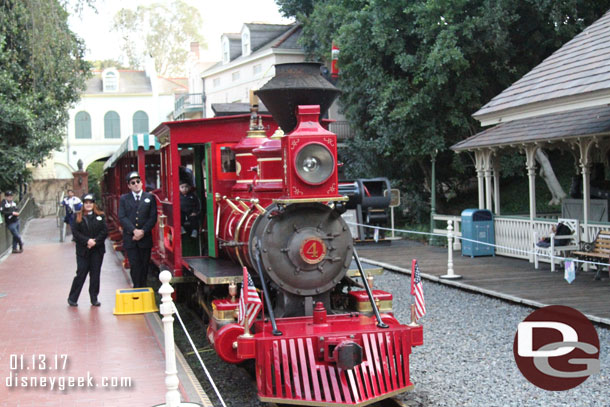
[(89, 197), (8, 193), (132, 175)]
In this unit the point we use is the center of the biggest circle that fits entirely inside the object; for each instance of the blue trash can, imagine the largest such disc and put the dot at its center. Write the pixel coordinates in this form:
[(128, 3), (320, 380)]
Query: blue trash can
[(478, 225)]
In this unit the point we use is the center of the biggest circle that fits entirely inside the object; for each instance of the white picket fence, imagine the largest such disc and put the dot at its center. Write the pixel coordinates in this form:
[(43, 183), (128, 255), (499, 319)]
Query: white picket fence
[(513, 234)]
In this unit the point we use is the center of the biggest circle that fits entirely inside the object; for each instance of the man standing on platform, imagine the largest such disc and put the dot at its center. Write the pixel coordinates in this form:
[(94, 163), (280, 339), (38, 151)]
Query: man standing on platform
[(138, 215)]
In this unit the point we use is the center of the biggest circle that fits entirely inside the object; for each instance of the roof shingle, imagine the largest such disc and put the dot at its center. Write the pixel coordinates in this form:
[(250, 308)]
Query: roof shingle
[(553, 126)]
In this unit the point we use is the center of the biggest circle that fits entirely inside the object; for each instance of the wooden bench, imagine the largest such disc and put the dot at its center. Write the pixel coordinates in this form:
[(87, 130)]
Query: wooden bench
[(597, 251)]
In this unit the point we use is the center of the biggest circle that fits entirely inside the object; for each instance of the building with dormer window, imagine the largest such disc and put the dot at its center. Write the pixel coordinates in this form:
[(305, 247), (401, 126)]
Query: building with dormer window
[(116, 104), (245, 41), (247, 61), (231, 47), (110, 80)]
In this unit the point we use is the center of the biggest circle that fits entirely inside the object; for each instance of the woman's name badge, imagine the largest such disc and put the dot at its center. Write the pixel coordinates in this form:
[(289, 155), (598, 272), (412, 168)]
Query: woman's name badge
[(99, 218)]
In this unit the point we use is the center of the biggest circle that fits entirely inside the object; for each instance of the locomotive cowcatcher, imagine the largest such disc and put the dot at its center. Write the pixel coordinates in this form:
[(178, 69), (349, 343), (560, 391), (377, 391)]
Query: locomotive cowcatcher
[(271, 203)]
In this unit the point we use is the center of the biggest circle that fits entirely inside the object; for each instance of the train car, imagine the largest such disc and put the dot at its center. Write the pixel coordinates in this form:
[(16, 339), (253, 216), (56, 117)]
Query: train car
[(272, 210)]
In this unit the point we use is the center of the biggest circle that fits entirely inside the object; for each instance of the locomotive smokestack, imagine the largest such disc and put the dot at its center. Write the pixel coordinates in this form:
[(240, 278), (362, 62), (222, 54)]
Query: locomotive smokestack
[(293, 85)]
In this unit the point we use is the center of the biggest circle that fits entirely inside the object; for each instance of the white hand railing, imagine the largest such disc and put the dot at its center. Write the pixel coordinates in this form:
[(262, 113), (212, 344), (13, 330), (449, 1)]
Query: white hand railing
[(457, 228)]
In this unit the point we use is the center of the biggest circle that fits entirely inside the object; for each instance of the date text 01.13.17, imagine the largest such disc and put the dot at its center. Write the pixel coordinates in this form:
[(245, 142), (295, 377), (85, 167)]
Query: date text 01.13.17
[(38, 362)]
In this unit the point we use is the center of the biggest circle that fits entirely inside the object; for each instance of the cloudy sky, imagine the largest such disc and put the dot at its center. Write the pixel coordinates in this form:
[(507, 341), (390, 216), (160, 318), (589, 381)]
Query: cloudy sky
[(219, 16)]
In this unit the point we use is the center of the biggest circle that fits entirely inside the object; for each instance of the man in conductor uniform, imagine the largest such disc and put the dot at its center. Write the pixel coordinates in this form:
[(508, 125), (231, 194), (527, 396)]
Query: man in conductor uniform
[(138, 215)]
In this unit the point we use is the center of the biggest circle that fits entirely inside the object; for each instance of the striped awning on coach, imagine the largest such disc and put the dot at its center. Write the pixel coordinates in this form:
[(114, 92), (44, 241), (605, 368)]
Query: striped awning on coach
[(132, 143)]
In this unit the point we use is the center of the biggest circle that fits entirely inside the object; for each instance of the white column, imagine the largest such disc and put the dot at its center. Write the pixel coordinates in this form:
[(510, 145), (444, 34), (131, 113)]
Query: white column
[(496, 177), (487, 167), (488, 189), (585, 146), (479, 159), (530, 165), (586, 195)]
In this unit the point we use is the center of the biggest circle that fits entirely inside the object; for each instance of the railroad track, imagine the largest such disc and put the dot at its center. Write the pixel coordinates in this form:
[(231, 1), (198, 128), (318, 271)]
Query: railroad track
[(389, 402)]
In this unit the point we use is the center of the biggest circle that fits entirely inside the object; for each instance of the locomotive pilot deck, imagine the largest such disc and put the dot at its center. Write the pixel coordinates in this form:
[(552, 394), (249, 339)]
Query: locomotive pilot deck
[(219, 271), (214, 271)]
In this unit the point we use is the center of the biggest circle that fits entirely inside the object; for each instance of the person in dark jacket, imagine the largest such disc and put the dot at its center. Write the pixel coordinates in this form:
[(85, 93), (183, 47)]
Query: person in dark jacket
[(138, 216), (560, 229), (89, 231), (11, 217), (72, 205), (190, 210)]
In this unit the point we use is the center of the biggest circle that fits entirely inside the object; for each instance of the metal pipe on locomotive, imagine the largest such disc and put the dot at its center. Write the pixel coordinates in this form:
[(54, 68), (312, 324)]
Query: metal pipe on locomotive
[(273, 205)]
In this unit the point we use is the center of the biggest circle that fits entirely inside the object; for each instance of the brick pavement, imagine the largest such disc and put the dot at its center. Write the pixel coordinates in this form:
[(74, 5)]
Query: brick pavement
[(37, 322)]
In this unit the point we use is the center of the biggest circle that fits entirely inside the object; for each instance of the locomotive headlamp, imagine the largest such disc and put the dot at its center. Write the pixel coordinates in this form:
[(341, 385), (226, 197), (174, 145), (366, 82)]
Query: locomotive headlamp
[(314, 163)]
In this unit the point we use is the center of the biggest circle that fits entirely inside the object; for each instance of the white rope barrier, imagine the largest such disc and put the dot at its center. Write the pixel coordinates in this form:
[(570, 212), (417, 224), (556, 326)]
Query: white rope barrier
[(207, 373), (445, 235)]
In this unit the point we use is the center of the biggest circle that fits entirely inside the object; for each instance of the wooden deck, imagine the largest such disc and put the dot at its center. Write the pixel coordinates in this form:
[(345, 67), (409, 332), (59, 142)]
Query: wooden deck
[(507, 278)]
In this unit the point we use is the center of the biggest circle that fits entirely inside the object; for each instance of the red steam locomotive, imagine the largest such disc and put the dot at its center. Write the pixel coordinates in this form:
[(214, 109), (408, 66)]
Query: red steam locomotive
[(271, 203)]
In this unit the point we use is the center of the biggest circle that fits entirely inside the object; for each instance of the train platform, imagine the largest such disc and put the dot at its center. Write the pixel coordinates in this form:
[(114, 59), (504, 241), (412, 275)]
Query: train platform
[(52, 354), (510, 279)]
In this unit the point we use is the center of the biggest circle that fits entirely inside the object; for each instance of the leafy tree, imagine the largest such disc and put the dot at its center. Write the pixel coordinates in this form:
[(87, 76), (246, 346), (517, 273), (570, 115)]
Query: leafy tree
[(42, 74), (162, 31), (96, 173), (107, 63), (412, 73), (294, 8)]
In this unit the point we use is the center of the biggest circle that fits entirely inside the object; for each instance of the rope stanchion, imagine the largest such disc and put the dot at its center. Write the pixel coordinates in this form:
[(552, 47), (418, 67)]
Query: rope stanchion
[(167, 309), (450, 272)]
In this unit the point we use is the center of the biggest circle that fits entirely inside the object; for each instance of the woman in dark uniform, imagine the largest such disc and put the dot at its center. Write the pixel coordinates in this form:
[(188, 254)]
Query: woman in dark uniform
[(89, 231)]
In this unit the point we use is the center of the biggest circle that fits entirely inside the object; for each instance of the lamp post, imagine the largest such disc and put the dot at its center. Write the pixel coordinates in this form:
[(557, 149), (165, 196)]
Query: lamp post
[(432, 240)]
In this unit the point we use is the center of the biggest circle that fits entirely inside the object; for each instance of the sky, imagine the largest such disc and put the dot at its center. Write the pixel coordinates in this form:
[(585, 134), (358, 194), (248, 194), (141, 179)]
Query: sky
[(219, 16)]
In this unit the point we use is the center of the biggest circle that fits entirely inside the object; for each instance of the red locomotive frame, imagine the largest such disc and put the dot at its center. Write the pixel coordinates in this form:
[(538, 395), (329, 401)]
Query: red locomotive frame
[(272, 200)]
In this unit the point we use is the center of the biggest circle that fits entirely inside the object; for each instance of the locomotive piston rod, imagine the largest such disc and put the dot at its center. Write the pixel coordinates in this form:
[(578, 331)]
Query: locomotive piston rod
[(275, 331), (367, 287)]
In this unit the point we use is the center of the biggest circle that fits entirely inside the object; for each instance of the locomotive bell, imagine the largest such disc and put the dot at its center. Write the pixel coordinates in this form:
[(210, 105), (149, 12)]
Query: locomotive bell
[(296, 84)]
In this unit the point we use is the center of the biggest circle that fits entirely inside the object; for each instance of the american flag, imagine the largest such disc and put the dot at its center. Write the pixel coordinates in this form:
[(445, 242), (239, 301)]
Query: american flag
[(249, 301), (417, 290)]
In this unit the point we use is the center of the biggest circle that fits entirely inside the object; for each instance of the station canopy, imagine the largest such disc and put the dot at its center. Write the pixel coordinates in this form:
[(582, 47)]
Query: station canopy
[(132, 143), (553, 127)]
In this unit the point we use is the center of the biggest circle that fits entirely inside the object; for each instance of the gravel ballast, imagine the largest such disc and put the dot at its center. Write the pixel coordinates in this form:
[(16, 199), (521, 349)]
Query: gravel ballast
[(467, 356), (466, 360)]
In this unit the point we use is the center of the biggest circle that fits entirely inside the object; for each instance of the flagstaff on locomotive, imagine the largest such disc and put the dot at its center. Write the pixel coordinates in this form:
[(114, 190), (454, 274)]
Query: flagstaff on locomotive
[(271, 202)]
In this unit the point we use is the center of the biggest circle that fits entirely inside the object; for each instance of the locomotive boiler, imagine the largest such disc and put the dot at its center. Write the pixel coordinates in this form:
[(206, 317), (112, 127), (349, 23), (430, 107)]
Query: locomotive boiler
[(271, 203)]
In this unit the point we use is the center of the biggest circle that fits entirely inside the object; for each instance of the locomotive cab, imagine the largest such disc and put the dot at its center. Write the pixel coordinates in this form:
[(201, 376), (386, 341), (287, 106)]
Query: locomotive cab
[(206, 149)]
